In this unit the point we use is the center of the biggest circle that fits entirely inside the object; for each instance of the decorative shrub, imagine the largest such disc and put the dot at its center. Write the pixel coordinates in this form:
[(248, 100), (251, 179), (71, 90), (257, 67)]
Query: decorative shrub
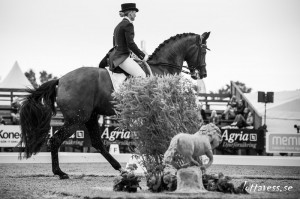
[(156, 109)]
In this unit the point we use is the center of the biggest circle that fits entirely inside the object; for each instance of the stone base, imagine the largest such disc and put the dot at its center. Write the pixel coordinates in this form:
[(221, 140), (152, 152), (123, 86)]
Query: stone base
[(189, 180)]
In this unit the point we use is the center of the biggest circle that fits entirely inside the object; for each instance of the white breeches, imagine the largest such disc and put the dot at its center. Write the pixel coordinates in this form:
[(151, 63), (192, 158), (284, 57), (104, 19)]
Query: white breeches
[(132, 68)]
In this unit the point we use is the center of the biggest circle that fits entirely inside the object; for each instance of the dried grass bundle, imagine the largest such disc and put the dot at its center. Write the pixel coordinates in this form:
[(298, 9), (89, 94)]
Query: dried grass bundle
[(156, 109)]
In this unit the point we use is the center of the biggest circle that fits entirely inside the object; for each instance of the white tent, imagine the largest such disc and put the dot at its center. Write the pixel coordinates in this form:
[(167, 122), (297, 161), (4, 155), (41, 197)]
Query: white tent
[(283, 114), (15, 78)]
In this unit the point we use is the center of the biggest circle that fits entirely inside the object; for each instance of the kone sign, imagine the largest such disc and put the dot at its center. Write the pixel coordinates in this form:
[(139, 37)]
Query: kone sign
[(10, 135)]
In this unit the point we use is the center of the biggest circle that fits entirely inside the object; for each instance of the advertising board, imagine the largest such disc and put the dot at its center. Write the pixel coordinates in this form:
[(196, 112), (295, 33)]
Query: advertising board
[(242, 139), (10, 135), (77, 139), (114, 134), (282, 142)]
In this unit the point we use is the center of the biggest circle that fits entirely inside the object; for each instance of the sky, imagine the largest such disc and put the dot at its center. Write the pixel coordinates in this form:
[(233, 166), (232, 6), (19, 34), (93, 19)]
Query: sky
[(256, 42)]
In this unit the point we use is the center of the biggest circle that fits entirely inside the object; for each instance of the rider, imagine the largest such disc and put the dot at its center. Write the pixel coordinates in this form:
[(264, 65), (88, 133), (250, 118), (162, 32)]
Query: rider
[(124, 43)]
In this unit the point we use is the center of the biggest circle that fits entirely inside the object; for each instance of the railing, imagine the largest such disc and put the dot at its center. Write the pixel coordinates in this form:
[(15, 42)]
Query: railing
[(214, 99), (217, 102), (235, 90), (8, 94)]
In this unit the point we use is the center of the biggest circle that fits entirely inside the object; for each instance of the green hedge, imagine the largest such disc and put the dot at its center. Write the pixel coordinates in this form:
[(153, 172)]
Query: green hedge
[(156, 109)]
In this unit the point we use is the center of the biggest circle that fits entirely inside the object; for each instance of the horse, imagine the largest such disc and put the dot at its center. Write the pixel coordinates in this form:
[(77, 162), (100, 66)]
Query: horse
[(85, 93), (192, 146)]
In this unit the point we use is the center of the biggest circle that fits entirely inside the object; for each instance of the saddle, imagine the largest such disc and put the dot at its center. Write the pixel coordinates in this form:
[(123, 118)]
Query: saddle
[(107, 62)]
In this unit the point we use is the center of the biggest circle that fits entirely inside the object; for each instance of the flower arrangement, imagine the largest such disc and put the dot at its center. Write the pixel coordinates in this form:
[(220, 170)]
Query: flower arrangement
[(156, 109)]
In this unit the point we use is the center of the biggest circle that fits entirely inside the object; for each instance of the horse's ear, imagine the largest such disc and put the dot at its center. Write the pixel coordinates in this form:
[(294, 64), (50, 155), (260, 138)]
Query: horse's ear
[(205, 36)]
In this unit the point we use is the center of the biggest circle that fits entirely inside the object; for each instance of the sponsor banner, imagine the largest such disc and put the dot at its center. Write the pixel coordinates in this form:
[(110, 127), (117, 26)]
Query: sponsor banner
[(77, 139), (282, 143), (242, 139), (113, 134), (10, 135), (109, 135)]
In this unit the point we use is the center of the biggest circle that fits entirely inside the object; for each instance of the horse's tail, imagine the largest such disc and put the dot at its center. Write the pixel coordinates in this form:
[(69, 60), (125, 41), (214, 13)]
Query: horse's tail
[(35, 117), (170, 153)]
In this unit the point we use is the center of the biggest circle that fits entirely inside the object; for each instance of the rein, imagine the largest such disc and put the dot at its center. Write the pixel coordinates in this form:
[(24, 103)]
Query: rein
[(173, 66), (168, 65)]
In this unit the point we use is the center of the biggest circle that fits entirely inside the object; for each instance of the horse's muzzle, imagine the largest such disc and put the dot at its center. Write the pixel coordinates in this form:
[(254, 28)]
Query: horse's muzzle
[(203, 72)]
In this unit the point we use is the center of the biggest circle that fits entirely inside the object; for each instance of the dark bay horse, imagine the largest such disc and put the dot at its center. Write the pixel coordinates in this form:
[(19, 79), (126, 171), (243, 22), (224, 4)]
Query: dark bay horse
[(85, 93)]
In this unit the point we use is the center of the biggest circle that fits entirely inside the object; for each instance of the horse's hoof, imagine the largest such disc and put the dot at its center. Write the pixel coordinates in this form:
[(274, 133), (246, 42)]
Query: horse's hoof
[(65, 176), (122, 170)]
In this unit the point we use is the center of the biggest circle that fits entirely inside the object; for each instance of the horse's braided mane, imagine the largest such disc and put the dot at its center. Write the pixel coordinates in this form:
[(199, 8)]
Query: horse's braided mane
[(167, 41)]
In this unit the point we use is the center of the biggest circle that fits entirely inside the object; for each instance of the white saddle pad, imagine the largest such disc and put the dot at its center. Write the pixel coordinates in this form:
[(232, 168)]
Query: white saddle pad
[(116, 78)]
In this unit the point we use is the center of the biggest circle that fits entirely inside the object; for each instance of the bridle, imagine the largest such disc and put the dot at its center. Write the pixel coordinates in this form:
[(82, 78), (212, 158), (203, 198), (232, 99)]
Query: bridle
[(195, 67)]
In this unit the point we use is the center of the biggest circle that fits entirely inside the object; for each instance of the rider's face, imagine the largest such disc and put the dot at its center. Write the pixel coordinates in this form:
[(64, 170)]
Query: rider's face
[(132, 15)]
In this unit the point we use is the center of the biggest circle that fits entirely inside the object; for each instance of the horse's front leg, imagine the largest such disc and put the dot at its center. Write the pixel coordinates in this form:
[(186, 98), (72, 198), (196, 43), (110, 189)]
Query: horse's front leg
[(210, 156), (202, 167), (55, 142), (93, 128)]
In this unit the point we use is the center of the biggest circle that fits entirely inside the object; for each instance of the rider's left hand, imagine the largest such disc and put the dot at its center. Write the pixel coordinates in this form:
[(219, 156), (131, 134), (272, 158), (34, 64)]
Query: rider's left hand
[(146, 58)]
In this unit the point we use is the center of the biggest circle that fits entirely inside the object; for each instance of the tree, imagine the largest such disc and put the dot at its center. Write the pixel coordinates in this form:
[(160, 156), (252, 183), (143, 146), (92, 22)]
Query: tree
[(31, 77), (241, 85), (225, 90), (44, 77)]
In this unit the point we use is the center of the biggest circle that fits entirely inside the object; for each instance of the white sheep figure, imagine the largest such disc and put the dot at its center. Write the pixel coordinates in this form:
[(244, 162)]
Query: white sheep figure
[(192, 146)]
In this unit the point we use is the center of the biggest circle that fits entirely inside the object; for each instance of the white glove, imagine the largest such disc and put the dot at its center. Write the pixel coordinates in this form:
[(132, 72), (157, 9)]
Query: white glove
[(146, 58)]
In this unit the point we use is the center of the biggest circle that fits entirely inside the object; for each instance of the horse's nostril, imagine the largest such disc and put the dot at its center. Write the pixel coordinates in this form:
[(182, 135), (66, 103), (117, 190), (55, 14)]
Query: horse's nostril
[(203, 75)]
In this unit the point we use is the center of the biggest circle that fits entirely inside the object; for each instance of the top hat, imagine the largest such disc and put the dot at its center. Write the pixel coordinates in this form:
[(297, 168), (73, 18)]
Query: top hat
[(128, 6)]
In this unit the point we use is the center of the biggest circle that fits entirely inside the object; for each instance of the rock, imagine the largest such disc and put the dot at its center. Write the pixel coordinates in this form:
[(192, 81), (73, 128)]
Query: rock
[(169, 177), (189, 180)]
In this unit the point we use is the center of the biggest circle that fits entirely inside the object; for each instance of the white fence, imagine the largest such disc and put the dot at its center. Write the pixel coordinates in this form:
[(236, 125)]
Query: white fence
[(65, 157)]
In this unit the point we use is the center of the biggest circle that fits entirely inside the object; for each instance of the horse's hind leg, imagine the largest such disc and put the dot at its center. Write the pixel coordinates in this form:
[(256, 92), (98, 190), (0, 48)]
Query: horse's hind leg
[(93, 128), (56, 140)]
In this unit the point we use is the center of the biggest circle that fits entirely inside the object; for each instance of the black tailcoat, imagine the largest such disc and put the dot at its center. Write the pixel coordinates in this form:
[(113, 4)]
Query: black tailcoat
[(123, 41)]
